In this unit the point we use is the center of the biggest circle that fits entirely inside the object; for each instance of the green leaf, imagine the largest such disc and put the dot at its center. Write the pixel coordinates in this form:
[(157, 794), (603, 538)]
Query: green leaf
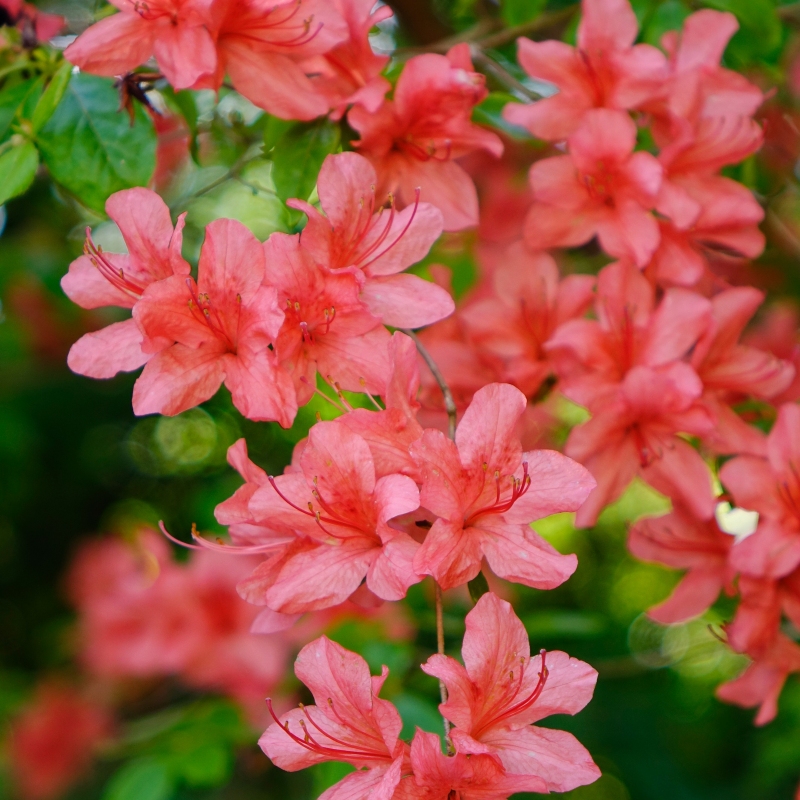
[(478, 587), (144, 779), (11, 100), (490, 113), (761, 31), (51, 96), (298, 156), (274, 130), (17, 170), (91, 148), (517, 12), (668, 16)]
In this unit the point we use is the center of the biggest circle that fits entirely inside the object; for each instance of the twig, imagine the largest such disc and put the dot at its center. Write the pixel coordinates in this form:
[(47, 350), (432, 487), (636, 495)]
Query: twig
[(440, 650), (788, 11), (541, 22), (502, 74), (449, 403)]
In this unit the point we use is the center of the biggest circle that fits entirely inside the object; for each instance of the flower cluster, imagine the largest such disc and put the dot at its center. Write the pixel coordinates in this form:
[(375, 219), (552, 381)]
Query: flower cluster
[(495, 699), (380, 498)]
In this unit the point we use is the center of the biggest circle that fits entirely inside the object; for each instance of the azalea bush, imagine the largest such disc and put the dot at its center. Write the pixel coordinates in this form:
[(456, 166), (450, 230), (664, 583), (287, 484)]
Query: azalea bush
[(401, 399)]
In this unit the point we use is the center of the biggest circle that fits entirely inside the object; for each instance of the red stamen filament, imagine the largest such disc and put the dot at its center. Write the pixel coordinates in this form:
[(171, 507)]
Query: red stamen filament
[(116, 277), (521, 706), (309, 743), (388, 227), (518, 488)]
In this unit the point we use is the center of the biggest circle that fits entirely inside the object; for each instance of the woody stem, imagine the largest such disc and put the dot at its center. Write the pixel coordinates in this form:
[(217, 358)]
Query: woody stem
[(440, 648), (449, 403)]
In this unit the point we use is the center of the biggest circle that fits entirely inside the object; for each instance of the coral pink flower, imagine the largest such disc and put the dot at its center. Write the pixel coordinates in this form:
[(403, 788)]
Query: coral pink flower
[(731, 371), (260, 44), (213, 331), (592, 357), (707, 213), (758, 616), (602, 188), (500, 691), (350, 73), (682, 541), (413, 138), (606, 70), (34, 25), (704, 122), (485, 492), (326, 329), (529, 302), (51, 742), (761, 683), (336, 504), (437, 776), (391, 432), (348, 723), (770, 486), (635, 433), (777, 333), (100, 279), (359, 235), (175, 31)]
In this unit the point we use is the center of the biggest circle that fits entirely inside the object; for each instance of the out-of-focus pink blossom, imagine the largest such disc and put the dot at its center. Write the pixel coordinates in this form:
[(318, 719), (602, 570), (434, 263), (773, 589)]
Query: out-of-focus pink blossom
[(348, 723), (35, 25), (51, 741), (770, 486), (485, 492), (592, 357), (602, 188), (494, 699), (681, 541), (413, 138), (731, 371), (99, 279), (761, 683), (529, 302), (216, 330), (175, 31), (358, 234), (605, 70), (778, 332)]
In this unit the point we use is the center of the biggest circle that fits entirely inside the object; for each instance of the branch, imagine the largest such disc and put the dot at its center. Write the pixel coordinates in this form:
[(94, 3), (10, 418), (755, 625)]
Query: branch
[(502, 74), (449, 403), (541, 22)]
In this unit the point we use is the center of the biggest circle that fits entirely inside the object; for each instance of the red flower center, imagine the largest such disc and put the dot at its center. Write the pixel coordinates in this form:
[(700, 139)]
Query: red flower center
[(500, 505), (203, 310), (507, 704)]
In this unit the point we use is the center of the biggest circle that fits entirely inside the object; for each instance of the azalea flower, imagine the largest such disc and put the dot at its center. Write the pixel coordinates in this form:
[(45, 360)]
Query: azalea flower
[(761, 683), (494, 699), (341, 514), (43, 761), (605, 70), (485, 492), (326, 328), (681, 541), (636, 433), (348, 723), (350, 73), (98, 279), (437, 776), (770, 486), (260, 45), (412, 139), (602, 188), (592, 357), (359, 235), (218, 329), (528, 303), (175, 31), (730, 370)]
